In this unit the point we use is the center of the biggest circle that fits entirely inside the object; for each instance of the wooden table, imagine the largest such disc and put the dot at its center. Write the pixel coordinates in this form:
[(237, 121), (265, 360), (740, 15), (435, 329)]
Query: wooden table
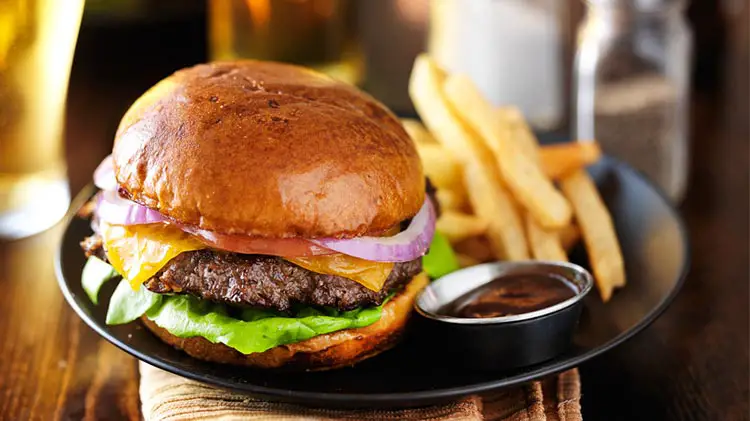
[(692, 363)]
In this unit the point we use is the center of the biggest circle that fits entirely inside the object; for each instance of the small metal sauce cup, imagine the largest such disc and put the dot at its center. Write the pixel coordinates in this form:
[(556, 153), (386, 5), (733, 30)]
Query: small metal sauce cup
[(507, 342)]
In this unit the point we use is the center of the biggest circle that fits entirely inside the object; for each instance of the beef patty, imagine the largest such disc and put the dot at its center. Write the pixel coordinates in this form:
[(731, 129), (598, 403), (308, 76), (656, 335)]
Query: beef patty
[(262, 281)]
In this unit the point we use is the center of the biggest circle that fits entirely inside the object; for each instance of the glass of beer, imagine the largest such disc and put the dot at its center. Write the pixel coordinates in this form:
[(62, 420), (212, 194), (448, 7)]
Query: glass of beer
[(315, 33), (37, 40)]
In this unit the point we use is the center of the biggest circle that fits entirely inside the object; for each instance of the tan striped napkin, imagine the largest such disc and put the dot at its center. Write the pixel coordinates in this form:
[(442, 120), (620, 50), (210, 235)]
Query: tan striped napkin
[(166, 397)]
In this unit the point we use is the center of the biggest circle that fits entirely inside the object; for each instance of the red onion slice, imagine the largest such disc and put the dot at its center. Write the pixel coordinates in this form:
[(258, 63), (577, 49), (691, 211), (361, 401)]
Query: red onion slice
[(115, 210), (402, 247), (104, 175)]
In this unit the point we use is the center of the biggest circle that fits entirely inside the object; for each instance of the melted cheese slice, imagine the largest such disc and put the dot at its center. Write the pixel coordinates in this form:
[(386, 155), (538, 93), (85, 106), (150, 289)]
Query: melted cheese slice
[(371, 275), (138, 252)]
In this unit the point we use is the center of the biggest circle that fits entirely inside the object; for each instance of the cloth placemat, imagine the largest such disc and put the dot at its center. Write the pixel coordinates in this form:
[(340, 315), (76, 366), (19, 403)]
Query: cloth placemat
[(167, 397)]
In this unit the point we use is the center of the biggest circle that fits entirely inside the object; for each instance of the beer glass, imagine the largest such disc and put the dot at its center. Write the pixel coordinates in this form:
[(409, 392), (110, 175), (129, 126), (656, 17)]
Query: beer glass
[(314, 33), (37, 40)]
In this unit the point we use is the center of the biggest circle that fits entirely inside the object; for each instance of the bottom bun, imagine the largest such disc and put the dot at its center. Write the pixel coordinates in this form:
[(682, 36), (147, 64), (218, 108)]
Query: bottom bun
[(337, 349)]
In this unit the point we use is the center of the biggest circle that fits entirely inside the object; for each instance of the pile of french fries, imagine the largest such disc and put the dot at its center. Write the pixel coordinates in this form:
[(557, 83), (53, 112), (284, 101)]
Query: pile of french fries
[(502, 196)]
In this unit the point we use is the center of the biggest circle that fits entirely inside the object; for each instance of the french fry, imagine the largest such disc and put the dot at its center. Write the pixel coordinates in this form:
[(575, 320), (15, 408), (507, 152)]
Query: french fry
[(457, 226), (544, 245), (426, 92), (561, 159), (464, 260), (521, 174), (598, 232), (445, 173), (491, 201), (418, 133), (555, 160), (486, 193), (478, 248), (450, 200), (569, 236), (442, 169), (520, 130)]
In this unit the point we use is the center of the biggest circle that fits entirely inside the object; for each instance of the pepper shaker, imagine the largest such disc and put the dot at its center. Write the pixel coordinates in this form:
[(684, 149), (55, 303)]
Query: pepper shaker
[(631, 86)]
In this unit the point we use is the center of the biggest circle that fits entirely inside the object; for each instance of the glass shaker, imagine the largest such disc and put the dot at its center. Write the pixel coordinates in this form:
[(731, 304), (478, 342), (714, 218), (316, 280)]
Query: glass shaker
[(631, 86), (512, 50)]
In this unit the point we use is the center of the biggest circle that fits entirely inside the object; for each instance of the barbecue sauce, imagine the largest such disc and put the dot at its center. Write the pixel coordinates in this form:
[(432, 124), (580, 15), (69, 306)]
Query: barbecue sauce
[(511, 295)]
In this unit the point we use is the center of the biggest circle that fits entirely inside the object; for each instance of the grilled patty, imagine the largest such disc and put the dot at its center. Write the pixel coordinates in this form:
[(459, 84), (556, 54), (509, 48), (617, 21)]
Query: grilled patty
[(262, 281)]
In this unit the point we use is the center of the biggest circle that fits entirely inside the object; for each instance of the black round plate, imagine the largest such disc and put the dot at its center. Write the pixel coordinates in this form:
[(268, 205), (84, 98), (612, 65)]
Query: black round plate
[(654, 243)]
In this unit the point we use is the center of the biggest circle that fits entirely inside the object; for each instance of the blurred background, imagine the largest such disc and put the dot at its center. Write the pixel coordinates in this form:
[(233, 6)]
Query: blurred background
[(631, 74), (662, 84)]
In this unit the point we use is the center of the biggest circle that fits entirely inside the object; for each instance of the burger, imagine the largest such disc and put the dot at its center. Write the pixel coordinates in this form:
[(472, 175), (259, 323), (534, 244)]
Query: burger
[(261, 214)]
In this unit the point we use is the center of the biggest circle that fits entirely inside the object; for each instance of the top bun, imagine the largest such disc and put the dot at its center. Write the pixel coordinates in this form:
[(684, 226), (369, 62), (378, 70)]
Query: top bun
[(268, 149)]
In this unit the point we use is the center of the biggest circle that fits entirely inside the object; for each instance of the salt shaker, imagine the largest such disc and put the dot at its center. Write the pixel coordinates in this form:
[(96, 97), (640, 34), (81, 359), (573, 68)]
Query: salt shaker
[(512, 50), (631, 86)]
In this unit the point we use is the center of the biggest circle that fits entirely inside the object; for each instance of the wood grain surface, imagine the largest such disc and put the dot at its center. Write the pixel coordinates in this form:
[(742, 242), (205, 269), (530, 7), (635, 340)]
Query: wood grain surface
[(691, 364)]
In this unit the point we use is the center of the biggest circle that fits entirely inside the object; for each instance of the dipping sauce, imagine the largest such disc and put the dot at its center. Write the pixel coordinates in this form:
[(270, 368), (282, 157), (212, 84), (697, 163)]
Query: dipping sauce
[(510, 295)]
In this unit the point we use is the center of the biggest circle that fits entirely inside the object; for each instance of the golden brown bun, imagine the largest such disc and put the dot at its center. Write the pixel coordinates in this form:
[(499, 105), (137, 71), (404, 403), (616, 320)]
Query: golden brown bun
[(268, 149), (333, 350)]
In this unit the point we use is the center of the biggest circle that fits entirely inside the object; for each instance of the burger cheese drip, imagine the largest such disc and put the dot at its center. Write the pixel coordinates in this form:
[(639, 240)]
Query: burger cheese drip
[(371, 275), (138, 252)]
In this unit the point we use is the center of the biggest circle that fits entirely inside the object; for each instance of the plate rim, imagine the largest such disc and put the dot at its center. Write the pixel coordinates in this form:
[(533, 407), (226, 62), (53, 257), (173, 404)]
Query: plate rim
[(395, 399)]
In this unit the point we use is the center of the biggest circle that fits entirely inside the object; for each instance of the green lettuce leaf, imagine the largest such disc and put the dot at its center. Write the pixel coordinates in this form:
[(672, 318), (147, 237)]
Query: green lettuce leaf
[(127, 305), (248, 330), (95, 274), (253, 330), (440, 260)]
